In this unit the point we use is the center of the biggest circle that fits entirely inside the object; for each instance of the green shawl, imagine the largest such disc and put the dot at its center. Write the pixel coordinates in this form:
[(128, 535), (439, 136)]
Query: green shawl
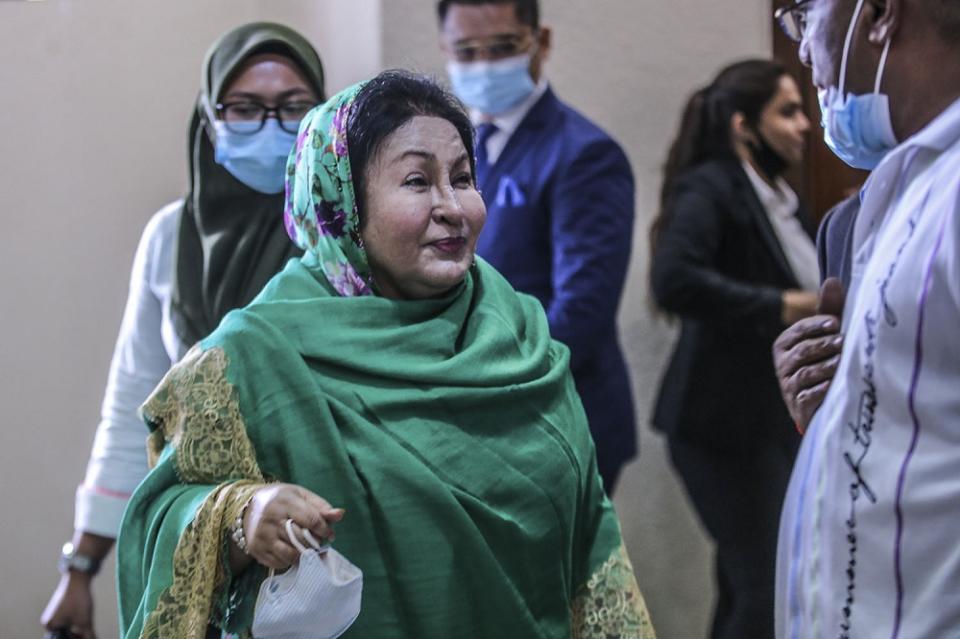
[(449, 429)]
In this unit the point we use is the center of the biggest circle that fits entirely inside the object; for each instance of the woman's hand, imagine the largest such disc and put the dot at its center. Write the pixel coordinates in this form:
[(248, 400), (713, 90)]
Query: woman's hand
[(264, 519), (70, 610)]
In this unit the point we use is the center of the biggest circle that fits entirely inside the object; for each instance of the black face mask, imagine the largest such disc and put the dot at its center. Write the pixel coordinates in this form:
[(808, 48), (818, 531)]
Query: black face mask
[(770, 163)]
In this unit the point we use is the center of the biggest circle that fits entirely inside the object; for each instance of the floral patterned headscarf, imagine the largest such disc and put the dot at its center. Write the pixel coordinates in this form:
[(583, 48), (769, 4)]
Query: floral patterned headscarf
[(321, 214)]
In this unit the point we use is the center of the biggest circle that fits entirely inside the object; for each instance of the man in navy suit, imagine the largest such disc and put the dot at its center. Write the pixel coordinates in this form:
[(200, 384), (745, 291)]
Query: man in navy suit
[(560, 202)]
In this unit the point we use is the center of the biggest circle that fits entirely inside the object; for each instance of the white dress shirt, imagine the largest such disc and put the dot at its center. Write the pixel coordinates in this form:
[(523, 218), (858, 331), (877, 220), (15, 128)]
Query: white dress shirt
[(145, 350), (781, 205), (508, 121), (868, 538)]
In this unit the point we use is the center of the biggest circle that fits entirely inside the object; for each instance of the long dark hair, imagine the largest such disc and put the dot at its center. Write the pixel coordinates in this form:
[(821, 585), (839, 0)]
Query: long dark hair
[(743, 87)]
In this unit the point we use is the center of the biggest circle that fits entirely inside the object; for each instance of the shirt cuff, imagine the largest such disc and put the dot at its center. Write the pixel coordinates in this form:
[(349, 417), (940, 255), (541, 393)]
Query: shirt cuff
[(99, 511)]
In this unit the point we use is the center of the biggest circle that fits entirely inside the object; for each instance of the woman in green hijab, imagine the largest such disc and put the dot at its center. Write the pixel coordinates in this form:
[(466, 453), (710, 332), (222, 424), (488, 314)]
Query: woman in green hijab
[(199, 258), (391, 393)]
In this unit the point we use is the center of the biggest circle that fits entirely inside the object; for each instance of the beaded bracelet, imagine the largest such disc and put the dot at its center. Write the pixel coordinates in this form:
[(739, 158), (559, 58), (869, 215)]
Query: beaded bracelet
[(237, 533)]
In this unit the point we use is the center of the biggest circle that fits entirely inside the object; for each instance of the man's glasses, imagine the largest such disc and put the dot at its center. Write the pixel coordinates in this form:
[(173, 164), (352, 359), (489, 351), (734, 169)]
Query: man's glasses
[(496, 48), (793, 19), (240, 117)]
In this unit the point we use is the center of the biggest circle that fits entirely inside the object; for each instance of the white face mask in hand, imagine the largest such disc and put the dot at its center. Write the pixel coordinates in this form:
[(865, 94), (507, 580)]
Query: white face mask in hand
[(317, 599)]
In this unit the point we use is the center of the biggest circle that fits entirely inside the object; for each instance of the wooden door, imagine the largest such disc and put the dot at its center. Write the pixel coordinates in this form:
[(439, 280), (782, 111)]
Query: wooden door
[(822, 180)]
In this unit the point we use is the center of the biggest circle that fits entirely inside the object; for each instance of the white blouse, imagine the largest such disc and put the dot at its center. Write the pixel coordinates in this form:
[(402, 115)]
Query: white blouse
[(146, 348), (781, 205)]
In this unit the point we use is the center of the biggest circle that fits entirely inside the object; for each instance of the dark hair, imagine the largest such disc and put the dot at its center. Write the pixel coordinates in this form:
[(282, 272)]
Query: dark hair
[(385, 104), (744, 87), (528, 11)]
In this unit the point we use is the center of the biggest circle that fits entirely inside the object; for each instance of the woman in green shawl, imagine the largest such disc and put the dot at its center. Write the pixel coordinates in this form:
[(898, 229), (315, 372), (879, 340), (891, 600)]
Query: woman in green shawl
[(393, 375)]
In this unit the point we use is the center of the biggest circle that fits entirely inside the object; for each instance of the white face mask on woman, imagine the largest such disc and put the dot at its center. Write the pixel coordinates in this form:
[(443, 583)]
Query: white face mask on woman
[(319, 598), (258, 159), (857, 128)]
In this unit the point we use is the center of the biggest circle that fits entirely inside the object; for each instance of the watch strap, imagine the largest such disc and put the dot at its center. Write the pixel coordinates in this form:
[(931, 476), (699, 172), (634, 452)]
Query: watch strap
[(71, 560)]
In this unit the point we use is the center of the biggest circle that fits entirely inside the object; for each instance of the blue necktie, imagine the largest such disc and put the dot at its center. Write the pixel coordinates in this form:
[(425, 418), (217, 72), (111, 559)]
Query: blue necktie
[(484, 131)]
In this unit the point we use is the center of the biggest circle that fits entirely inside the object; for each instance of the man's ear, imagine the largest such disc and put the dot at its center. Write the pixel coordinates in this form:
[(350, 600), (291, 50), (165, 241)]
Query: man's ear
[(544, 40), (885, 16), (543, 36)]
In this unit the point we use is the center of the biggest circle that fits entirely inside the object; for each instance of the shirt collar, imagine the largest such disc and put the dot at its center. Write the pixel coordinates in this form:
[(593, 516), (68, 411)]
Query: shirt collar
[(509, 121), (781, 200), (939, 135)]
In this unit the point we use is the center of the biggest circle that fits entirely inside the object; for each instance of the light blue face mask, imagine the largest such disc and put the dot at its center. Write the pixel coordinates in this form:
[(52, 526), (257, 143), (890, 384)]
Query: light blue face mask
[(857, 128), (259, 159), (492, 87)]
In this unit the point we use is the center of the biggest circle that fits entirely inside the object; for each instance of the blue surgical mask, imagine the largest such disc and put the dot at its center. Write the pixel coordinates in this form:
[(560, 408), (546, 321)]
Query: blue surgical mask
[(259, 159), (492, 87), (857, 128)]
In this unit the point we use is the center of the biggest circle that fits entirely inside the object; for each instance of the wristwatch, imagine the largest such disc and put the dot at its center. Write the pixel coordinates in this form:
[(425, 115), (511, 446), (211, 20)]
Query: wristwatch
[(70, 559)]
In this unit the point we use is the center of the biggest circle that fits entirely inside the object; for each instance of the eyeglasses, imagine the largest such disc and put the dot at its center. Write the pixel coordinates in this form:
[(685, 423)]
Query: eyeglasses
[(240, 117), (793, 19), (496, 48)]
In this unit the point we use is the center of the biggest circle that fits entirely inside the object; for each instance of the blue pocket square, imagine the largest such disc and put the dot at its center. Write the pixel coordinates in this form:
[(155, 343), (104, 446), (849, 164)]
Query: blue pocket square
[(509, 193)]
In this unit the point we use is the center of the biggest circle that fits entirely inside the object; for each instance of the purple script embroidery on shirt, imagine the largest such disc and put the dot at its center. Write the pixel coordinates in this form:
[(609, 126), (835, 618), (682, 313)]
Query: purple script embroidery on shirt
[(862, 428)]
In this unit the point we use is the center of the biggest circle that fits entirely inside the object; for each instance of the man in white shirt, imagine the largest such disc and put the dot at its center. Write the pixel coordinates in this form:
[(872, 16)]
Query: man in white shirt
[(867, 544)]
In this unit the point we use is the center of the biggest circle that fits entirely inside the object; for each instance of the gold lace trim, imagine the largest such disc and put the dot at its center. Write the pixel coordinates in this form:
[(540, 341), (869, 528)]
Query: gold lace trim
[(610, 605), (184, 610), (197, 411)]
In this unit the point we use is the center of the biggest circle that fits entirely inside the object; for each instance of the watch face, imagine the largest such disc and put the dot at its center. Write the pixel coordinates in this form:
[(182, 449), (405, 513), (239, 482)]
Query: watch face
[(70, 559)]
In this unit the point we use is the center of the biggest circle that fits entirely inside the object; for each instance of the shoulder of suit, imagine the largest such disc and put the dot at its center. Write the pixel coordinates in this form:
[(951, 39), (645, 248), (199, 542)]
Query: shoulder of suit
[(574, 121), (713, 175)]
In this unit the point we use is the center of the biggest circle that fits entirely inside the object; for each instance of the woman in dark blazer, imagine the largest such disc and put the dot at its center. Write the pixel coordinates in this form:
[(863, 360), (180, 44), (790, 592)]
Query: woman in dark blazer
[(731, 257)]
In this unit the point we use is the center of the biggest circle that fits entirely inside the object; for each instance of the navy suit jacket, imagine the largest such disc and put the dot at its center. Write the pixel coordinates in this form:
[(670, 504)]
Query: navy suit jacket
[(560, 209)]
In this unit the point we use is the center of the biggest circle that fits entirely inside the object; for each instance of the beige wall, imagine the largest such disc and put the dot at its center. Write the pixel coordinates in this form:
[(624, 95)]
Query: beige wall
[(92, 142), (96, 96)]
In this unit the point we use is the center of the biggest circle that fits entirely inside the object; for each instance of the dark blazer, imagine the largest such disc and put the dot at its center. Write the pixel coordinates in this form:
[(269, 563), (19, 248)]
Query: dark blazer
[(719, 267), (560, 208), (835, 240)]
